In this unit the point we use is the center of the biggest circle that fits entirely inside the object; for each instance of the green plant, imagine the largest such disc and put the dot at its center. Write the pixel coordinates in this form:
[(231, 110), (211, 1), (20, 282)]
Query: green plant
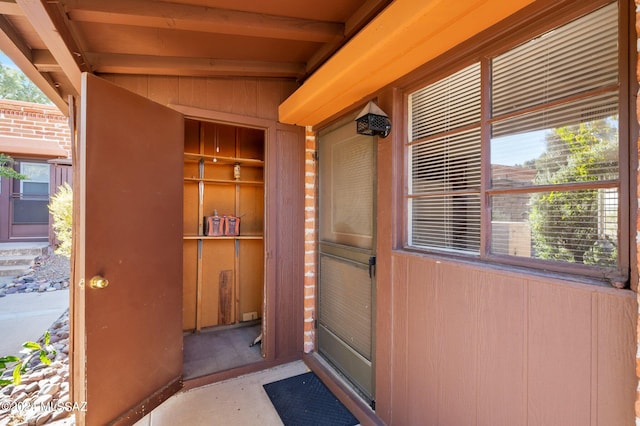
[(43, 351), (6, 170), (61, 208)]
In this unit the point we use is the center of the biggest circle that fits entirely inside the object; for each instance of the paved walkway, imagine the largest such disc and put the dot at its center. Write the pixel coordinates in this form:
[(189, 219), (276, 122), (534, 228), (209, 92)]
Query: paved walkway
[(26, 316)]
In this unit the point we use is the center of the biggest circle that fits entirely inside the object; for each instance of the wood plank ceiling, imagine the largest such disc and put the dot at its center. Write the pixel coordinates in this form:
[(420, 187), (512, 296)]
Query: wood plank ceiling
[(54, 41)]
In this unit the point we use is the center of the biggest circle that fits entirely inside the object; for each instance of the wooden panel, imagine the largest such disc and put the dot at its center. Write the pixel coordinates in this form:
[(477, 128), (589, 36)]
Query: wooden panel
[(245, 101), (226, 297), (615, 367), (219, 95), (250, 143), (400, 344), (251, 210), (457, 315), (191, 137), (270, 94), (134, 326), (163, 89), (189, 278), (191, 211), (219, 255), (220, 198), (559, 355), (133, 83), (422, 349), (288, 207), (250, 277), (506, 350), (386, 227), (192, 91), (249, 97), (60, 174), (219, 139), (501, 349)]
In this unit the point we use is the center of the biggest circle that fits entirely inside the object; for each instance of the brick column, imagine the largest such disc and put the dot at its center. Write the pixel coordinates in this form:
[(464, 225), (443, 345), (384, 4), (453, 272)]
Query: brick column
[(310, 239)]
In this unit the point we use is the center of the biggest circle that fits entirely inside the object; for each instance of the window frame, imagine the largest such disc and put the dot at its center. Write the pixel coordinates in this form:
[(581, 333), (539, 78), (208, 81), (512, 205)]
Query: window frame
[(520, 28)]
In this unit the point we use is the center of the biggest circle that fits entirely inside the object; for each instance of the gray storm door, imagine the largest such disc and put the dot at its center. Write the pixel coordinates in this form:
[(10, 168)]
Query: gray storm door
[(346, 288)]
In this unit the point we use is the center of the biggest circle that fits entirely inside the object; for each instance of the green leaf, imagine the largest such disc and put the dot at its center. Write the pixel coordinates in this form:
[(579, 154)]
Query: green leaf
[(17, 374), (9, 358), (32, 345), (43, 358), (47, 338), (5, 382)]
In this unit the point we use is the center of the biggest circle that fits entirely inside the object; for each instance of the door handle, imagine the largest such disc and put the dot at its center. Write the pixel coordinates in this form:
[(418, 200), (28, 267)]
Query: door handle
[(98, 282)]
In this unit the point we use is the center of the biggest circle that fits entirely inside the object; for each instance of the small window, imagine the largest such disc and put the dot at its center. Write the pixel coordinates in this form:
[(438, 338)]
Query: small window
[(552, 187)]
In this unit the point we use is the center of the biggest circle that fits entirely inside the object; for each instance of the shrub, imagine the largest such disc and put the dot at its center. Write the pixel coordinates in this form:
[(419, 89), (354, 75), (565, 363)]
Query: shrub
[(61, 208)]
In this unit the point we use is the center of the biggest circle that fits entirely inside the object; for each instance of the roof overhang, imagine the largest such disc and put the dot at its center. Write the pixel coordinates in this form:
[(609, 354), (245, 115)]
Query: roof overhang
[(406, 35), (26, 147)]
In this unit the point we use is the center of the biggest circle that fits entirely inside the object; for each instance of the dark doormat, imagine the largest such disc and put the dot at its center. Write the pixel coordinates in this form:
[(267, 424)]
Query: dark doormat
[(305, 400)]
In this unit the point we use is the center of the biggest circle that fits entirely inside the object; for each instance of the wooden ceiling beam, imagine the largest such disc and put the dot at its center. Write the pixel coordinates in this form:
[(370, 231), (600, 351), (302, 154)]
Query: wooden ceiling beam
[(154, 14), (44, 61), (354, 24), (52, 29), (10, 7), (197, 67), (13, 46)]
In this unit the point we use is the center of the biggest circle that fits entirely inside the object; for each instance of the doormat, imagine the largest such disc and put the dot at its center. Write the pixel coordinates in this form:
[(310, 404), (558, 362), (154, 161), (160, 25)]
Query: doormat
[(305, 400)]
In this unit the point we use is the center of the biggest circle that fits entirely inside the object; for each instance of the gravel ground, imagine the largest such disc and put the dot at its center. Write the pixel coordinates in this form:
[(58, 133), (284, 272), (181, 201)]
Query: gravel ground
[(48, 273), (43, 395), (52, 268)]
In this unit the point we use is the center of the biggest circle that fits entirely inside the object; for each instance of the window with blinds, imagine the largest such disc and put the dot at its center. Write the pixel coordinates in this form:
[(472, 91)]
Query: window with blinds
[(552, 188)]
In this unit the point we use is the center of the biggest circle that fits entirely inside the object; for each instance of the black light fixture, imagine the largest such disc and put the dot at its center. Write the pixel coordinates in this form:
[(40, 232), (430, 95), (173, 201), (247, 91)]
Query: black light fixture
[(372, 121)]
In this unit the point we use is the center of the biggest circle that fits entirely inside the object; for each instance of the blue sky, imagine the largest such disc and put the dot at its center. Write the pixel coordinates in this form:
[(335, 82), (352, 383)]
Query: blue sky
[(4, 60)]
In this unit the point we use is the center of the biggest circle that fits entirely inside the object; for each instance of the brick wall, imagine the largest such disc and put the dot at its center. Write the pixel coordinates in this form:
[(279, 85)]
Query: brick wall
[(34, 121), (310, 238)]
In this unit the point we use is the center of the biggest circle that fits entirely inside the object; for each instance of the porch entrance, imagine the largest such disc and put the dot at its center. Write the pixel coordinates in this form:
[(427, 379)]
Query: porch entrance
[(346, 286), (24, 215)]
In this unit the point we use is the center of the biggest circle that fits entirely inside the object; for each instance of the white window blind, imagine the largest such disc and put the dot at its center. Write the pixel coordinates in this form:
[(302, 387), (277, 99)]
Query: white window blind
[(446, 163), (561, 93), (577, 57)]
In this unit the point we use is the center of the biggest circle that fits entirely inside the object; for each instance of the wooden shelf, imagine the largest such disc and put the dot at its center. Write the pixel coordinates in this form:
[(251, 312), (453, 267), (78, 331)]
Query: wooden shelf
[(248, 162), (223, 276), (223, 237), (225, 181)]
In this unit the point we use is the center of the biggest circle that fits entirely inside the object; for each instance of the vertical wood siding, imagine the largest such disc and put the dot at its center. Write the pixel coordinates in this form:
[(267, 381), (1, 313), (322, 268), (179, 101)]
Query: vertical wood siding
[(251, 97), (476, 346), (60, 174)]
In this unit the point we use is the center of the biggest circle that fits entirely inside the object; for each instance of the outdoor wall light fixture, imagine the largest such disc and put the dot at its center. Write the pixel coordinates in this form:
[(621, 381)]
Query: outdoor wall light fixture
[(372, 121)]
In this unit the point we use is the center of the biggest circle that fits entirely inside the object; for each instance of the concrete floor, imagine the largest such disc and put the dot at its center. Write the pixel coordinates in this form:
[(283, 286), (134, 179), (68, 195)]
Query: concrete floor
[(239, 401), (26, 317)]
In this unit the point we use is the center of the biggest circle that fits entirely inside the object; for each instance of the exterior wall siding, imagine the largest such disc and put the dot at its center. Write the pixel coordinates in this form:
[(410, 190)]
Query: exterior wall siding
[(477, 345)]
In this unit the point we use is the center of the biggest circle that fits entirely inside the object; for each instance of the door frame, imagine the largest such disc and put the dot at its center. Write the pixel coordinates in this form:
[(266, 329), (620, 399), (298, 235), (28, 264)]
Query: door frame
[(268, 290)]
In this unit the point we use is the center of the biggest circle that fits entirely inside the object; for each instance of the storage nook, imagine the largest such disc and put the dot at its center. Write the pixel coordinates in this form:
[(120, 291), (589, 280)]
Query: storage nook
[(223, 225)]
